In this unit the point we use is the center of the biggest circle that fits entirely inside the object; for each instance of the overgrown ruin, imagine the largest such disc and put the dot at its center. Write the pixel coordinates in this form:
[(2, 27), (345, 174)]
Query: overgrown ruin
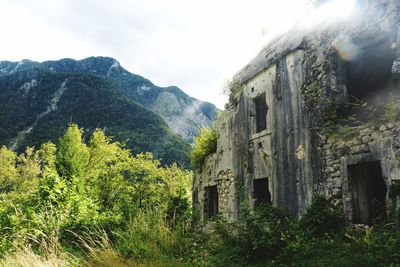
[(317, 113)]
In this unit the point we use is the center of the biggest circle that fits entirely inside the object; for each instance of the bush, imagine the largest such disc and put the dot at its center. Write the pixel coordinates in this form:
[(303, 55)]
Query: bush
[(233, 90), (322, 219), (204, 145), (178, 210), (259, 236)]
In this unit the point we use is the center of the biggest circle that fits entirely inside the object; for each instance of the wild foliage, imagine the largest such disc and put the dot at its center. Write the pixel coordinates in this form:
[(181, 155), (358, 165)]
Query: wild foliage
[(268, 236), (321, 219), (68, 191), (233, 89), (204, 144)]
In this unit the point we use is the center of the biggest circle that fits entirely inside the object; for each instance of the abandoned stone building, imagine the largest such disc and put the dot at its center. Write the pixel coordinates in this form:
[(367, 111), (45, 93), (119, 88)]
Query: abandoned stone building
[(315, 113)]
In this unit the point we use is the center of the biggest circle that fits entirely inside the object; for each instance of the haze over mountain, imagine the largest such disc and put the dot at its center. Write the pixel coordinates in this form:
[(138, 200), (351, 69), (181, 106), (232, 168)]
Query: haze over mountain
[(39, 100)]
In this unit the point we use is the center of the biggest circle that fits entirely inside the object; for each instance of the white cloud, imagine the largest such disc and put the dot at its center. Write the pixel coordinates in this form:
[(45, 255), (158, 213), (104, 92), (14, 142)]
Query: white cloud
[(196, 45)]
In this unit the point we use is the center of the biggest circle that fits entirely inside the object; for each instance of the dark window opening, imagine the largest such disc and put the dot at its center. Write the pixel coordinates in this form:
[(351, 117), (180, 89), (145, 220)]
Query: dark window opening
[(371, 71), (261, 113), (368, 191), (261, 192), (211, 201)]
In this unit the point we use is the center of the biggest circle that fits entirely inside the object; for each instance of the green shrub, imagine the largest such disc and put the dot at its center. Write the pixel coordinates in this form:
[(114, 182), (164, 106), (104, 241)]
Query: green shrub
[(322, 219), (178, 209), (259, 236), (204, 145), (233, 89)]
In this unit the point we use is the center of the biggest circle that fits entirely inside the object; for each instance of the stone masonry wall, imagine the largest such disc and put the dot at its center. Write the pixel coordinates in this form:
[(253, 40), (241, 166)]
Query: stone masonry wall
[(371, 144)]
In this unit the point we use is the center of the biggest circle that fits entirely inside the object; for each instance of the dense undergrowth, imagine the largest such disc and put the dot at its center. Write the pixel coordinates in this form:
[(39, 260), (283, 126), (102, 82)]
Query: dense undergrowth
[(94, 204), (77, 200), (269, 237)]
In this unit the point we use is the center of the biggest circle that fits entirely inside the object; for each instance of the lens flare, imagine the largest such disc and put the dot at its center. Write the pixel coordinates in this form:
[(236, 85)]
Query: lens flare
[(346, 48)]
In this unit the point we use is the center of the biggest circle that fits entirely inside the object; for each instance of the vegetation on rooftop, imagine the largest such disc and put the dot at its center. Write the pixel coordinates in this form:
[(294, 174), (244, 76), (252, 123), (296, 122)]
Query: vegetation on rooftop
[(233, 89), (204, 145)]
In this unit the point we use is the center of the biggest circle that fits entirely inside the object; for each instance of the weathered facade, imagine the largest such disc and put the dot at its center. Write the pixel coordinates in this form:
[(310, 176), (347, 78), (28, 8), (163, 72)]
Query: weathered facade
[(282, 139)]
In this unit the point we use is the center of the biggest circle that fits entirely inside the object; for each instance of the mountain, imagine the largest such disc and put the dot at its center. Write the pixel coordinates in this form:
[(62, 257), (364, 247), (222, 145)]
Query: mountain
[(39, 100), (182, 113)]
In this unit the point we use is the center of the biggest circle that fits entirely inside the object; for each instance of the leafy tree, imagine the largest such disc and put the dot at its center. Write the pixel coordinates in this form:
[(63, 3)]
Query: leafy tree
[(8, 171), (47, 156), (52, 189), (145, 178), (102, 152), (29, 169), (72, 156), (179, 193)]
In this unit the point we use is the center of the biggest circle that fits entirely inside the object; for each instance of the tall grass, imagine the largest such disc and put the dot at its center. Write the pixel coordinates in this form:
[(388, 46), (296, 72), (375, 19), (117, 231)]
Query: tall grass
[(147, 237), (101, 253), (145, 240), (48, 253)]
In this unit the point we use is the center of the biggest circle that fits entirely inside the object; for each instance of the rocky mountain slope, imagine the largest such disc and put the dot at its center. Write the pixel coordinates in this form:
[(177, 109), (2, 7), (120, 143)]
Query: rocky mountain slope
[(181, 112), (39, 100)]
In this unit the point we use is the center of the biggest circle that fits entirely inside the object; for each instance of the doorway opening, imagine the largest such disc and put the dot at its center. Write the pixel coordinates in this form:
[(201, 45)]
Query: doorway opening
[(368, 191), (261, 193), (211, 202)]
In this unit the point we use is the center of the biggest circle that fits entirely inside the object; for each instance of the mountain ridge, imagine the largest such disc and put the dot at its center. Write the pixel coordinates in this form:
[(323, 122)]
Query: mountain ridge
[(184, 114)]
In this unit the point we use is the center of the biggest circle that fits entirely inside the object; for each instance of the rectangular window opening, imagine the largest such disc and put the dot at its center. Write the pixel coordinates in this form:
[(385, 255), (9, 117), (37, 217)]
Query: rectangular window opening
[(261, 113), (261, 193), (211, 202), (368, 191)]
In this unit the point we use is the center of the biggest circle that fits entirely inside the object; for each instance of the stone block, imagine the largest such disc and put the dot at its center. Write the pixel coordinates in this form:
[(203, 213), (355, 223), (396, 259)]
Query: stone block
[(366, 139), (337, 183), (336, 192)]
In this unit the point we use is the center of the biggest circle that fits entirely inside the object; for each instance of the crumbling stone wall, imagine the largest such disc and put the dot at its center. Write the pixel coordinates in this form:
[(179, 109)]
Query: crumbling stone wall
[(225, 185), (371, 144)]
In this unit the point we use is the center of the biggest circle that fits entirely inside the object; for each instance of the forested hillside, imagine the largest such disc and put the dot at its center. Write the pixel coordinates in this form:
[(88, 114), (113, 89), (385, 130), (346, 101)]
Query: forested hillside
[(37, 104), (183, 114)]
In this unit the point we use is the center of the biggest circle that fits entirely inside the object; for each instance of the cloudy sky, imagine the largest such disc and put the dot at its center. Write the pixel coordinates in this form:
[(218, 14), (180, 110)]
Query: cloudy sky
[(196, 45)]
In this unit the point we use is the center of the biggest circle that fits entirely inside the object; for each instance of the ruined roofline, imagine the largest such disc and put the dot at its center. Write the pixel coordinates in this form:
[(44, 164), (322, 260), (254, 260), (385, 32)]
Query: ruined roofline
[(276, 49), (293, 39), (363, 19)]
